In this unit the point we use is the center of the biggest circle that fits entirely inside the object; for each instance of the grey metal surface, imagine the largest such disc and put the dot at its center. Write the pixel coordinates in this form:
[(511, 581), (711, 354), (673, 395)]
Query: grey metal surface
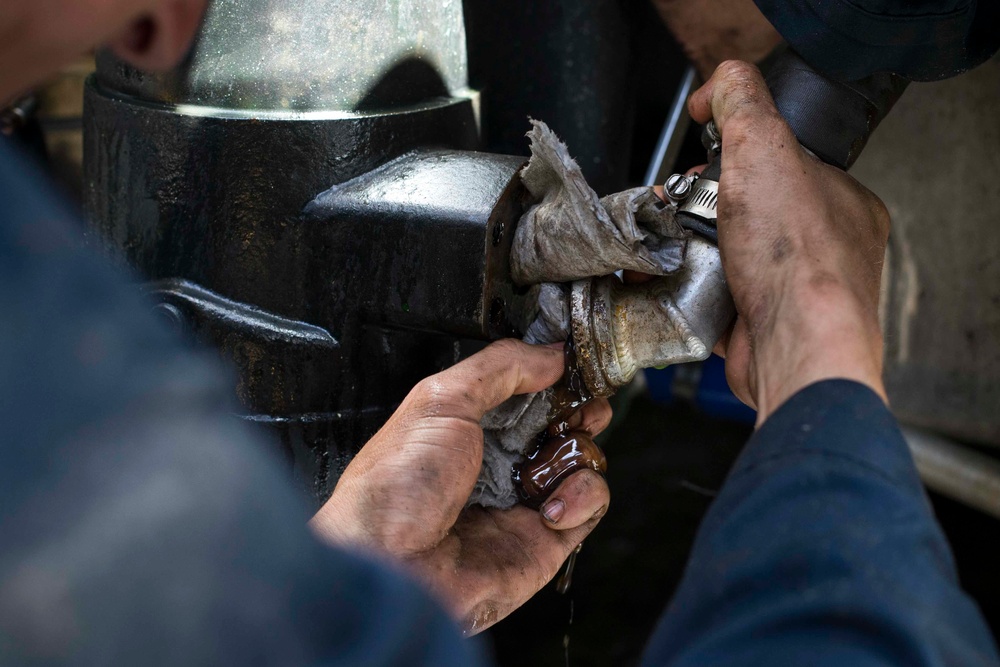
[(619, 329), (677, 187), (955, 471), (703, 200), (935, 161), (302, 56)]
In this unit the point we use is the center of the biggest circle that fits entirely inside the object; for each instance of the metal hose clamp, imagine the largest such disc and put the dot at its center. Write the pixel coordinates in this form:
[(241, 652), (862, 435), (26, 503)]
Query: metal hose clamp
[(703, 200)]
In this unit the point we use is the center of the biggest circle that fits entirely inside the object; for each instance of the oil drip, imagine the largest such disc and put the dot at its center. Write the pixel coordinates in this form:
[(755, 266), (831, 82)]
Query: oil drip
[(570, 393), (560, 451), (566, 579), (569, 626)]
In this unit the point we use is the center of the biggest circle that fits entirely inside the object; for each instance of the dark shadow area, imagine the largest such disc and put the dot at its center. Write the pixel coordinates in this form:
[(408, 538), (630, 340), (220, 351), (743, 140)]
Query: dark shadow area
[(975, 540), (593, 70), (409, 82), (664, 464)]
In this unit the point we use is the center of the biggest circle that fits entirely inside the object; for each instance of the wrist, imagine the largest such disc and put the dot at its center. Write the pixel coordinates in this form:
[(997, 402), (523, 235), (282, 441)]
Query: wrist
[(824, 336)]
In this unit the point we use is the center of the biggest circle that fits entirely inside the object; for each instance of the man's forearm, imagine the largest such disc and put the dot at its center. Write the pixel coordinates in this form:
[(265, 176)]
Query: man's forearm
[(821, 549)]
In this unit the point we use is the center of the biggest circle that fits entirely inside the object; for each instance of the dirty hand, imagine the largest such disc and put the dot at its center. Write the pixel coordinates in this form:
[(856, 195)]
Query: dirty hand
[(404, 494), (802, 244)]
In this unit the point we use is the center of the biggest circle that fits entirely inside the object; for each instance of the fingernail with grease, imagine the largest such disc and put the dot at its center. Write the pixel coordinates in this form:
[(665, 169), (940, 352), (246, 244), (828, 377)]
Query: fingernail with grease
[(553, 510)]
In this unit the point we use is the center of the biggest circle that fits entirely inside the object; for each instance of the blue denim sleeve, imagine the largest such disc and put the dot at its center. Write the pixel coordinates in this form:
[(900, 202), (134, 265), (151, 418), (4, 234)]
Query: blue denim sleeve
[(921, 41), (821, 549), (141, 523)]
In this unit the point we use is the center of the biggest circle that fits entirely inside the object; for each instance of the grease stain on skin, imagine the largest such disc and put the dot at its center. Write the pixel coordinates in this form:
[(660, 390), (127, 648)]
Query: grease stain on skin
[(781, 249)]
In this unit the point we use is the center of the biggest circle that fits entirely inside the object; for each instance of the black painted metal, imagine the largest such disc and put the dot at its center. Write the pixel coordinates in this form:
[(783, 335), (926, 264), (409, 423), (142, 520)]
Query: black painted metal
[(332, 307), (209, 208), (214, 199), (423, 243), (573, 64)]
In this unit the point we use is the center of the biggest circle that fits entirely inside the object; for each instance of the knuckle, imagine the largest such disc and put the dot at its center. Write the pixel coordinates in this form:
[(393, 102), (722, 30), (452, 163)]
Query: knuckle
[(507, 347), (582, 484), (736, 69), (432, 394), (740, 82), (872, 207), (757, 127), (880, 212), (431, 387)]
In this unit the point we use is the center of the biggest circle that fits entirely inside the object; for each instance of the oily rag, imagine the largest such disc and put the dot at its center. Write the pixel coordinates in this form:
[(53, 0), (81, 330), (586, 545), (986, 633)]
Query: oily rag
[(568, 234)]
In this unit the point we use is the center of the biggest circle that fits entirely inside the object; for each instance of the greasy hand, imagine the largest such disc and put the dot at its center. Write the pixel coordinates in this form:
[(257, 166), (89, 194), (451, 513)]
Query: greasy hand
[(404, 494), (802, 244)]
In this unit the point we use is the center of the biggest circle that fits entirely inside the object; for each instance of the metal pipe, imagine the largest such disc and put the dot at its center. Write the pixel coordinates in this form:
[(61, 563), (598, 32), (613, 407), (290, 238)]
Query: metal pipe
[(956, 471), (619, 329), (674, 128)]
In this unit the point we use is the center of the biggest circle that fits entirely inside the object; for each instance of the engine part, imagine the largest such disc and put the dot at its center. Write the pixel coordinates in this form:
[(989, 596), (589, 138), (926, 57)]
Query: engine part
[(16, 115), (204, 180), (19, 122), (421, 243), (619, 329), (332, 58), (570, 63), (677, 187)]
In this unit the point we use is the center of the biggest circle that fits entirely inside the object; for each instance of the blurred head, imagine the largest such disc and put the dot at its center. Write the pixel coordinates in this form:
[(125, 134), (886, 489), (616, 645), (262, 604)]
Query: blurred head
[(37, 37)]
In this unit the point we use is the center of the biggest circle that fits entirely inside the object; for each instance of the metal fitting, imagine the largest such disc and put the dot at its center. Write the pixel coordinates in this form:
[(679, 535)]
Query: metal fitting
[(711, 138), (678, 187), (16, 115), (619, 329), (703, 201)]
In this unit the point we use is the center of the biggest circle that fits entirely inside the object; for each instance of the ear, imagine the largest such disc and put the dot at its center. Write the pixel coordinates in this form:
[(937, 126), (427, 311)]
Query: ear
[(158, 40)]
